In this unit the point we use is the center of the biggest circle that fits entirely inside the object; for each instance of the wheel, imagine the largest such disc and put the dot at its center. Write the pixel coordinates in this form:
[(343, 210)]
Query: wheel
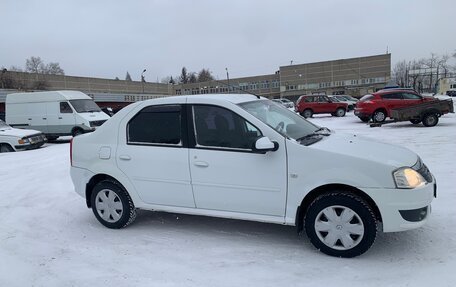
[(340, 112), (307, 113), (379, 116), (112, 205), (430, 120), (364, 119), (340, 224), (77, 132), (6, 148), (415, 121)]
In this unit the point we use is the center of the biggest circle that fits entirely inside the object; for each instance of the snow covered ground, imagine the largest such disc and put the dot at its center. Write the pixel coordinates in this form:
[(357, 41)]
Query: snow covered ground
[(49, 238)]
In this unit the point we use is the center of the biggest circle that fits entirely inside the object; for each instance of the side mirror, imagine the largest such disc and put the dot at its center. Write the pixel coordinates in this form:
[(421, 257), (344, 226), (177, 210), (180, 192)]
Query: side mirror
[(264, 145)]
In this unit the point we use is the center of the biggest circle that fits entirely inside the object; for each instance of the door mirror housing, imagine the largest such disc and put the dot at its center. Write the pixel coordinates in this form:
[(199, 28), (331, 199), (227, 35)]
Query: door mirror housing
[(264, 144)]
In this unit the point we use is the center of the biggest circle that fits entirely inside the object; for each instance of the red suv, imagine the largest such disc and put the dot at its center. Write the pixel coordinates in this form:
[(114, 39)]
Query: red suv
[(378, 105), (319, 104)]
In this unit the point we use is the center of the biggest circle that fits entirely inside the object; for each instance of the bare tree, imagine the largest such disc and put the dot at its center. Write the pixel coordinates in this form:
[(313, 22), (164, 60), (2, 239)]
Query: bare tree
[(34, 65), (192, 78), (205, 75), (400, 73), (53, 69)]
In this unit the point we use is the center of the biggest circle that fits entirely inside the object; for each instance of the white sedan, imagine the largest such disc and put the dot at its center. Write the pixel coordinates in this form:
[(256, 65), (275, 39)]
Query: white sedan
[(12, 139), (245, 157)]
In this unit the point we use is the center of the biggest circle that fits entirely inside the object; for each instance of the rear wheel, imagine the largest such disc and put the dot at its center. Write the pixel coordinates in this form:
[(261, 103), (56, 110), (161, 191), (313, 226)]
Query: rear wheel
[(430, 120), (112, 205), (6, 148), (307, 113), (379, 116), (340, 112), (341, 224)]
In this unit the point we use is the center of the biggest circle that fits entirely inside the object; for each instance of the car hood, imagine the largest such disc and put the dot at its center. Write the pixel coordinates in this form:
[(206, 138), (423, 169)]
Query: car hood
[(367, 149), (12, 132)]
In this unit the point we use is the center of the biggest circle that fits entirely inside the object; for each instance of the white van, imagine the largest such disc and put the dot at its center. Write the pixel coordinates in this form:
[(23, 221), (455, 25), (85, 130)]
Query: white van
[(55, 113)]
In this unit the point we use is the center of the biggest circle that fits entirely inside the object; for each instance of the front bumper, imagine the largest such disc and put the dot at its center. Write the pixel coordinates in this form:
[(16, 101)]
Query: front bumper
[(404, 209)]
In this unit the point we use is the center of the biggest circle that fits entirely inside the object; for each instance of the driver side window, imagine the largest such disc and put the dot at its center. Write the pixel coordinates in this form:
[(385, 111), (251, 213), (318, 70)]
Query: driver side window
[(217, 127)]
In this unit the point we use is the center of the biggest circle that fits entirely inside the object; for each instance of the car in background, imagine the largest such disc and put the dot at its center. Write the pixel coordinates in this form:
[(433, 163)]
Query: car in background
[(2, 116), (285, 102), (12, 139), (342, 99), (308, 105), (451, 93), (378, 106)]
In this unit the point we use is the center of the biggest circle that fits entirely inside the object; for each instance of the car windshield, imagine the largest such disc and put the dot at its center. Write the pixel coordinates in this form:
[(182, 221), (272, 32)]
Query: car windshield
[(280, 119), (85, 106), (366, 98), (3, 124)]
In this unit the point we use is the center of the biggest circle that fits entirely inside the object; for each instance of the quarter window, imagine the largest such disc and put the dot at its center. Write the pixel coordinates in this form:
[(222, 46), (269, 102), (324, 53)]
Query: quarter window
[(220, 128), (159, 125)]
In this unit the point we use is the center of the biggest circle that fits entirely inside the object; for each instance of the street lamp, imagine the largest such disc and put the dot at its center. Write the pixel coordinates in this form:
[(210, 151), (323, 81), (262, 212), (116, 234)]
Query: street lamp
[(3, 72), (143, 80)]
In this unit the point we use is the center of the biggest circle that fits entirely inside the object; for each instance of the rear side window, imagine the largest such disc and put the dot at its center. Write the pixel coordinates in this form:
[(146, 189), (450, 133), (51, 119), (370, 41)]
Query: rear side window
[(156, 125), (410, 96), (395, 96), (308, 99), (65, 108)]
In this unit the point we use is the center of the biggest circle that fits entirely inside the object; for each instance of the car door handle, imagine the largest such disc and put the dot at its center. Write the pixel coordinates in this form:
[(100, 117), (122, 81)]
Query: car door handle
[(29, 119), (60, 118), (201, 163), (44, 118), (125, 157)]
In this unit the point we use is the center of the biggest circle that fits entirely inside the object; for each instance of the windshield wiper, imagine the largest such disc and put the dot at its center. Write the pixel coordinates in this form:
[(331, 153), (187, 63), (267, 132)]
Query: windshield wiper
[(319, 133)]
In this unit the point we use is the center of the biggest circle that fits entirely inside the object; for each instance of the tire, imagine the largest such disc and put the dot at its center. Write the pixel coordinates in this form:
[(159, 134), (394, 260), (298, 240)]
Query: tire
[(430, 120), (6, 148), (379, 116), (307, 113), (328, 231), (364, 119), (415, 121), (340, 112), (112, 205), (77, 132)]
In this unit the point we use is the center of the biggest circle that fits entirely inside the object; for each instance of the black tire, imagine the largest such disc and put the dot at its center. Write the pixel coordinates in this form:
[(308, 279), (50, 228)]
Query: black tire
[(364, 119), (340, 112), (119, 194), (77, 132), (307, 113), (363, 219), (415, 121), (379, 116), (430, 120), (6, 148)]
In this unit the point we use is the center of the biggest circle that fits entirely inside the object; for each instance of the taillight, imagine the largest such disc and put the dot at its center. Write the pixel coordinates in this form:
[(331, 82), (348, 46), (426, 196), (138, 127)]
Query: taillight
[(71, 151)]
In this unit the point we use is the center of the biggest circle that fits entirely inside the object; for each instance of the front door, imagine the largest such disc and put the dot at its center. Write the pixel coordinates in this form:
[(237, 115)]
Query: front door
[(227, 175), (154, 158)]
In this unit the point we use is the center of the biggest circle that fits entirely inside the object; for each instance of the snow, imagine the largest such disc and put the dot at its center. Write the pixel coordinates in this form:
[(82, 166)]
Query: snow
[(49, 238)]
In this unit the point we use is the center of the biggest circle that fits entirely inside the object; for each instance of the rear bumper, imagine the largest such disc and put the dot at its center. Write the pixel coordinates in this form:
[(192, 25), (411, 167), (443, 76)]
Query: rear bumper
[(80, 178)]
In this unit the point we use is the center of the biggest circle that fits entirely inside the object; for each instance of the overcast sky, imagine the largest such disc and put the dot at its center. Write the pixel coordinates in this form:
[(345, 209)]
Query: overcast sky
[(108, 38)]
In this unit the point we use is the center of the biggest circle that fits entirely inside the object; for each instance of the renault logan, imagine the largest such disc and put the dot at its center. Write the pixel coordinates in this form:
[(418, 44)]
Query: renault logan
[(246, 157)]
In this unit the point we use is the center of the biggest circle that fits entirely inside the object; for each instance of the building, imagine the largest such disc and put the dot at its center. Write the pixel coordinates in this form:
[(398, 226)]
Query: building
[(354, 76), (446, 84)]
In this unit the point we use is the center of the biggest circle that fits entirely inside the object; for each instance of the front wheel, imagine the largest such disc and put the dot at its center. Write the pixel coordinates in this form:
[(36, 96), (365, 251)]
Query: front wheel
[(341, 224), (6, 148), (112, 205), (430, 120)]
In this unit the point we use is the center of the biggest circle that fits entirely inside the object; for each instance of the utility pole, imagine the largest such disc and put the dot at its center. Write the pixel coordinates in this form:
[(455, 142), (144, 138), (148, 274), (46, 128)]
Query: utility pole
[(228, 79), (143, 80)]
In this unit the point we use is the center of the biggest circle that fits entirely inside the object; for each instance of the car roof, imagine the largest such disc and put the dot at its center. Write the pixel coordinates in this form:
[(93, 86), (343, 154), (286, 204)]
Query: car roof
[(232, 98), (395, 90)]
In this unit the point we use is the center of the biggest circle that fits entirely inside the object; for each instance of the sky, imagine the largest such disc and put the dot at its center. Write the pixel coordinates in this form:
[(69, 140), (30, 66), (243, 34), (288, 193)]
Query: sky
[(106, 39)]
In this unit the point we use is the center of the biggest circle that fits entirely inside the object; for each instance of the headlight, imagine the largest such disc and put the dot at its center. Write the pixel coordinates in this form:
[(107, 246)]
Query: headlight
[(23, 141), (406, 177)]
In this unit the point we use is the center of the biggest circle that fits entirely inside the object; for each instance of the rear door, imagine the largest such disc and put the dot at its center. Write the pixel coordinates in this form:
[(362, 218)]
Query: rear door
[(392, 101), (152, 153)]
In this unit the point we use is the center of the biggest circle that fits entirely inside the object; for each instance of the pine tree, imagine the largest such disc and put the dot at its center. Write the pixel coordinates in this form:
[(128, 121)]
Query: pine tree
[(128, 77)]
